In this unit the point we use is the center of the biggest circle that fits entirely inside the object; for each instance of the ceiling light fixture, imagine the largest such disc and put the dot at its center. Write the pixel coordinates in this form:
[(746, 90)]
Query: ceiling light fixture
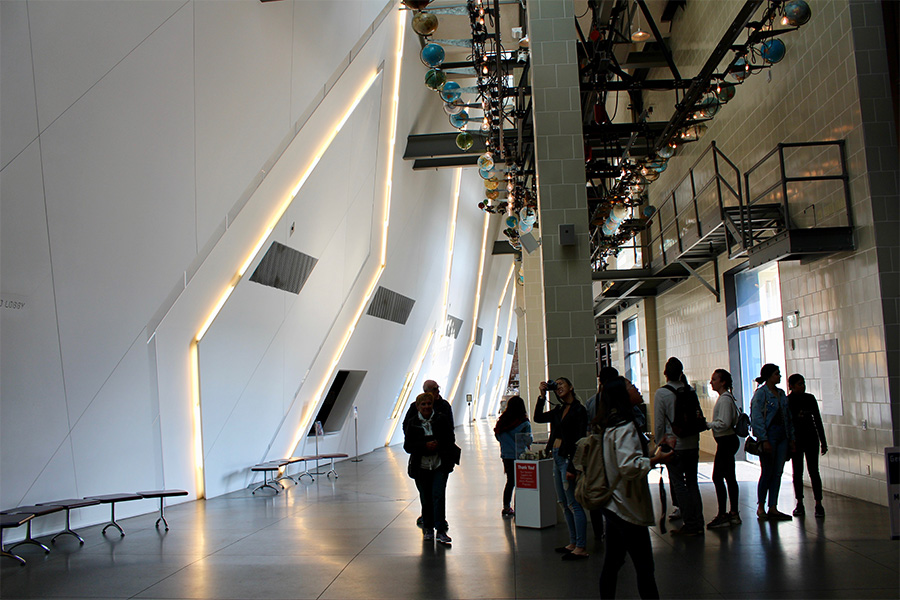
[(639, 35)]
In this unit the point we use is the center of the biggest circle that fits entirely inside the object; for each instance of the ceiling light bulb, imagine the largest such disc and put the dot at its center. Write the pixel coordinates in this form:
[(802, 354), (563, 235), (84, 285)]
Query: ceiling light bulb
[(640, 35)]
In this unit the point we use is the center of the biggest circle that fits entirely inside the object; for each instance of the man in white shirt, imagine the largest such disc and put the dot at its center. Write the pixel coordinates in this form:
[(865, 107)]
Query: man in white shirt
[(683, 467)]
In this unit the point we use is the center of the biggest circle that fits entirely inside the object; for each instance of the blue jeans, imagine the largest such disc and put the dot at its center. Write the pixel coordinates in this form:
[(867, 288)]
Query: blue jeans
[(771, 467), (565, 494), (432, 486)]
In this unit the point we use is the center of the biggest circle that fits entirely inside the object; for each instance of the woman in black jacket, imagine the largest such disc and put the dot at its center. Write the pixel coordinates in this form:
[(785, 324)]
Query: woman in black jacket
[(810, 435), (568, 422), (431, 444)]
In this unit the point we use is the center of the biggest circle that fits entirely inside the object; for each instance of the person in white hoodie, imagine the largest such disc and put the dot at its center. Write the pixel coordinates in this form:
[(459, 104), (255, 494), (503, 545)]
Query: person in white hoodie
[(725, 415), (629, 512)]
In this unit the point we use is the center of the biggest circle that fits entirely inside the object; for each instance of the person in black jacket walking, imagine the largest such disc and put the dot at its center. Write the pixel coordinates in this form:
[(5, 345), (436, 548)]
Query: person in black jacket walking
[(431, 444), (810, 436), (568, 422)]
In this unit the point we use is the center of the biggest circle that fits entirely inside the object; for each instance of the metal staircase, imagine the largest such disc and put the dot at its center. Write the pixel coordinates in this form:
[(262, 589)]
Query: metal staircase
[(706, 215)]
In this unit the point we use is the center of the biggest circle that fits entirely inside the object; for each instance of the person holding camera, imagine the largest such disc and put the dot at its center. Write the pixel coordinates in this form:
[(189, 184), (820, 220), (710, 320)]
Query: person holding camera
[(568, 422)]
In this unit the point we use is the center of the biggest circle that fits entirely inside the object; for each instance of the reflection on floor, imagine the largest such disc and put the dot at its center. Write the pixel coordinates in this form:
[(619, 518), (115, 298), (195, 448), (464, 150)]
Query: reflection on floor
[(356, 538)]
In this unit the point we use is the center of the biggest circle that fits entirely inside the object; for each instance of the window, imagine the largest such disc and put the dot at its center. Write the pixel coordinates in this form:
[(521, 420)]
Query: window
[(632, 347)]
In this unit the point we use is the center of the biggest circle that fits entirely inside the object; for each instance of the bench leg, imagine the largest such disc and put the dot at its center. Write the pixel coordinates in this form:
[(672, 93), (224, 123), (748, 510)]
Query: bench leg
[(12, 556), (112, 521), (266, 484), (30, 540), (162, 515), (331, 470), (68, 530)]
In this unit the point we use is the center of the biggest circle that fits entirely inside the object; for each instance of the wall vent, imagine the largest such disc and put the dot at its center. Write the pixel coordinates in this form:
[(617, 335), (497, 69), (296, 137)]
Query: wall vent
[(390, 306), (511, 348), (499, 341), (284, 268), (479, 332), (453, 326)]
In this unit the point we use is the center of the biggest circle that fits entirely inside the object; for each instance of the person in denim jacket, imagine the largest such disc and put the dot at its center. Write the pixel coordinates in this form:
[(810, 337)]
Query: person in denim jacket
[(770, 418)]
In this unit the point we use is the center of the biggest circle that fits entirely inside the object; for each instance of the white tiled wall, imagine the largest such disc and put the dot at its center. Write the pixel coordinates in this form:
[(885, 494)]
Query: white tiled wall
[(816, 93)]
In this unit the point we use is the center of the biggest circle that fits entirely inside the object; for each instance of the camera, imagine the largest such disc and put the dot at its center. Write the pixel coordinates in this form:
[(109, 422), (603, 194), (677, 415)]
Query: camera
[(551, 385)]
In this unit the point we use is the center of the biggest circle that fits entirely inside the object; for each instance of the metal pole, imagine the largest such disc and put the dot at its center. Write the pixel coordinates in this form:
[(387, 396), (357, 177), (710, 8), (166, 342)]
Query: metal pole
[(356, 433)]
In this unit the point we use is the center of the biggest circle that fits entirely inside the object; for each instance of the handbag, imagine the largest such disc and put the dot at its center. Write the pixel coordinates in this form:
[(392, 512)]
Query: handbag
[(752, 446)]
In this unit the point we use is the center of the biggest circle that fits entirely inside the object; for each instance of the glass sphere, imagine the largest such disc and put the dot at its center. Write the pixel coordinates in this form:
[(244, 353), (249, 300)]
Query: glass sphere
[(662, 167), (525, 227), (708, 107), (460, 119), (424, 23), (797, 13), (432, 55), (450, 91), (464, 140), (741, 73), (488, 174), (452, 108), (649, 174), (618, 213), (417, 4), (435, 79), (512, 221), (772, 50), (667, 152), (486, 161), (527, 216), (492, 194), (725, 91), (648, 210)]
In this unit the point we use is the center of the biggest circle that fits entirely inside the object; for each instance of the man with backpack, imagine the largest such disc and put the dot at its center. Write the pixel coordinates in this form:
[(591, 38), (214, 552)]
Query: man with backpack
[(678, 421)]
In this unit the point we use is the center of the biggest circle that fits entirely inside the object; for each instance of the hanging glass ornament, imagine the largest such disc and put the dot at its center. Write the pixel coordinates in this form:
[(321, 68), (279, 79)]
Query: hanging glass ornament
[(491, 184), (432, 55), (424, 23), (667, 152), (796, 13), (464, 140), (772, 51), (488, 173), (742, 70), (452, 108), (460, 119), (450, 91), (512, 221), (648, 210), (708, 107), (435, 79), (492, 194), (486, 161), (725, 91)]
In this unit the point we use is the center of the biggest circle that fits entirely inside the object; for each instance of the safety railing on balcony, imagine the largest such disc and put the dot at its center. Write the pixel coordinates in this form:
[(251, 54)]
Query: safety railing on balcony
[(701, 216), (797, 203)]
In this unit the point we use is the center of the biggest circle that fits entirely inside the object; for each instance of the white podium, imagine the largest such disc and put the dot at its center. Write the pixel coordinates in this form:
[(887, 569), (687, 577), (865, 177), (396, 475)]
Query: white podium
[(535, 494)]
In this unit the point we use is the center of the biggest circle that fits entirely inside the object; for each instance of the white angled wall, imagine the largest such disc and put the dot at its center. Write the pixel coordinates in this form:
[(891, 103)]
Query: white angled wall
[(146, 147)]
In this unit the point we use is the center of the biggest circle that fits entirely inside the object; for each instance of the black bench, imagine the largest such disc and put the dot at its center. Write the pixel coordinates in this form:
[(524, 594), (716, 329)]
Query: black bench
[(112, 499), (34, 511), (9, 522), (162, 495), (68, 505), (266, 468)]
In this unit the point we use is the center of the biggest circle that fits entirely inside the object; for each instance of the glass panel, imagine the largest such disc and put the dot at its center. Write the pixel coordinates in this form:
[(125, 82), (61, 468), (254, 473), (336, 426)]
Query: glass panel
[(773, 346), (751, 362), (632, 348), (670, 242), (758, 295)]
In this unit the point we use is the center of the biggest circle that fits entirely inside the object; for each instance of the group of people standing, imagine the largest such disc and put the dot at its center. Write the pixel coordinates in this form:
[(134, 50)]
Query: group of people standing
[(785, 425)]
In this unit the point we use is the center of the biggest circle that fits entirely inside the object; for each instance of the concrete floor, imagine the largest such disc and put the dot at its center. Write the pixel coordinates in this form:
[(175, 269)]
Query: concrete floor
[(356, 538)]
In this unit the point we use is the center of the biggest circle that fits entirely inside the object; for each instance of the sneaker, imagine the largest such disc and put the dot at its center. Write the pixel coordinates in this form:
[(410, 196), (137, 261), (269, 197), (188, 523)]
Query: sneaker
[(820, 511), (799, 511), (735, 518), (720, 522), (443, 538), (676, 514), (775, 515), (429, 536), (508, 512)]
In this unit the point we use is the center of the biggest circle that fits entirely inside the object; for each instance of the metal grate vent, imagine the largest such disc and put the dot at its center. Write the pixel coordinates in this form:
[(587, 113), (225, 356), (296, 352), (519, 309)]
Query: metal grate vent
[(499, 341), (479, 332), (390, 306), (453, 326), (511, 348), (284, 268)]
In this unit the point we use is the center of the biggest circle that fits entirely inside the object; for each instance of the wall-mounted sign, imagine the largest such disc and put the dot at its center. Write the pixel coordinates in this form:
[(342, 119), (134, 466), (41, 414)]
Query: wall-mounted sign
[(830, 378)]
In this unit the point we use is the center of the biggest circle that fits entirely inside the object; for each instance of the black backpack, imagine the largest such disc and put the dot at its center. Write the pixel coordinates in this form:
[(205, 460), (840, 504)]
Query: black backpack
[(689, 419)]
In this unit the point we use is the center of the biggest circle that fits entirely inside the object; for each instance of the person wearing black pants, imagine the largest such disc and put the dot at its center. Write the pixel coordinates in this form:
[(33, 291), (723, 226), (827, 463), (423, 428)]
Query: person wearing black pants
[(810, 434), (725, 415), (629, 511), (513, 431)]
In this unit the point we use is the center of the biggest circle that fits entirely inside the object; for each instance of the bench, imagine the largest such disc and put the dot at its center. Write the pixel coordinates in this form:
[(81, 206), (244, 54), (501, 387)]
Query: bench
[(111, 499), (68, 505), (331, 465), (162, 495), (34, 511), (9, 522), (266, 468)]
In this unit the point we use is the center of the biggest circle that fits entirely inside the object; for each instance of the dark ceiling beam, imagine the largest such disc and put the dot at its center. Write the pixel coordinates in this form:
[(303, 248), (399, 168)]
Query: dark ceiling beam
[(701, 82), (646, 84), (663, 47), (622, 129), (451, 162)]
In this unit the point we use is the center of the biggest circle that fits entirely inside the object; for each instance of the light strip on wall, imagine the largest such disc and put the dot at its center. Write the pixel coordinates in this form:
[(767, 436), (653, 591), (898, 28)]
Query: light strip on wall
[(313, 403), (499, 393), (462, 367), (442, 327), (407, 388), (512, 269), (195, 366)]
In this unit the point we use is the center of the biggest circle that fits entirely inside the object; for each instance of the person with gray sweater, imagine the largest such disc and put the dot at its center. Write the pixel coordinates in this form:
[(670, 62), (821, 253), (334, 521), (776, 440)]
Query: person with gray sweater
[(725, 415)]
